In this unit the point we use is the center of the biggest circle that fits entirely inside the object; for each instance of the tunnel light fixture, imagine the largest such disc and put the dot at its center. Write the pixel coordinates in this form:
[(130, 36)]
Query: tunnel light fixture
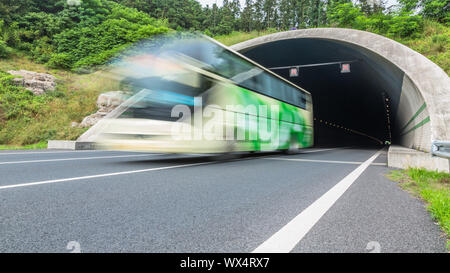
[(345, 68)]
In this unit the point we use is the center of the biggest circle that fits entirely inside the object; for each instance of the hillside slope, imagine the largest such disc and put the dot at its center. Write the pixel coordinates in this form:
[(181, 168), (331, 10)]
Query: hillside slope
[(28, 119)]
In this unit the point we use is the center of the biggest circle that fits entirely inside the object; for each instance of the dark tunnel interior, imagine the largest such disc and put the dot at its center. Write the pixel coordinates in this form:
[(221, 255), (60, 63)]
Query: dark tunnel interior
[(364, 100)]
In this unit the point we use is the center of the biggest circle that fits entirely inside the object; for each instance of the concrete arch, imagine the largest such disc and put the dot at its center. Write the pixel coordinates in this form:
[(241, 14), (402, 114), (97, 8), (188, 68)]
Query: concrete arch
[(422, 110)]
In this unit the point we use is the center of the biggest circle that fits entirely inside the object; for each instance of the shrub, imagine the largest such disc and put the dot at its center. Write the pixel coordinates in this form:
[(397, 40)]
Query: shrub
[(60, 60), (72, 36), (92, 46), (17, 101), (404, 25), (344, 15), (5, 51)]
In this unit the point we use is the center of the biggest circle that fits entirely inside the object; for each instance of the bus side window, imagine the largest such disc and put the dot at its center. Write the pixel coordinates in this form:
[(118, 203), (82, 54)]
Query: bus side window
[(289, 94), (302, 100), (264, 84), (251, 83)]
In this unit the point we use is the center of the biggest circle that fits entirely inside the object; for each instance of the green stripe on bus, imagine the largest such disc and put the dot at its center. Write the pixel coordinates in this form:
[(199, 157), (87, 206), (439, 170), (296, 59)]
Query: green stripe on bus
[(420, 124), (415, 116)]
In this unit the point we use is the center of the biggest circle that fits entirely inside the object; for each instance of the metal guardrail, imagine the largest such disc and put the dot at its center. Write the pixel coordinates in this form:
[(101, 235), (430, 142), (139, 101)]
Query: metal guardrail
[(441, 149)]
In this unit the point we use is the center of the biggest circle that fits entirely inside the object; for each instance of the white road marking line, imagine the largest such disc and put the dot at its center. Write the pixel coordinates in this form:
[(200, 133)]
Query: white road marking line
[(98, 176), (75, 158), (322, 161), (284, 240), (316, 160), (320, 150)]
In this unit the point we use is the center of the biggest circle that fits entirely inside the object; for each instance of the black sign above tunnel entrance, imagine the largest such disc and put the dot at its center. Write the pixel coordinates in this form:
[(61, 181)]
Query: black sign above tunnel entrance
[(293, 72)]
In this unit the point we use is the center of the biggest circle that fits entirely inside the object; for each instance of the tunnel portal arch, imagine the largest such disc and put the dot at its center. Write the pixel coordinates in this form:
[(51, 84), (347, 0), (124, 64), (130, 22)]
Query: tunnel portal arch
[(419, 89)]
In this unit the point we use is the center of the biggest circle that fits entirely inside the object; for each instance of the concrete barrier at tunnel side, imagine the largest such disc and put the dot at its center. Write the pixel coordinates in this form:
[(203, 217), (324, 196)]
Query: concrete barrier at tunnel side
[(423, 112)]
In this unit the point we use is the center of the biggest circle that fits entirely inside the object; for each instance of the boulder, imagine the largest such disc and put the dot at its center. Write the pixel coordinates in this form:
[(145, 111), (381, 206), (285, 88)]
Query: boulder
[(91, 120), (106, 103), (38, 83)]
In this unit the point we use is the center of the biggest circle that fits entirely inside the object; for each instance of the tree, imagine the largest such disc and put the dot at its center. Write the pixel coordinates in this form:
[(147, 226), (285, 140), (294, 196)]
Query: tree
[(301, 15), (287, 14), (434, 9), (247, 16), (259, 14), (13, 9), (270, 13), (370, 7)]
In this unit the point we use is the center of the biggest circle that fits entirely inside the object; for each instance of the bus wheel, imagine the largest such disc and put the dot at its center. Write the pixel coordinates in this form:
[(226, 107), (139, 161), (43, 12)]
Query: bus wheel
[(229, 154), (293, 146)]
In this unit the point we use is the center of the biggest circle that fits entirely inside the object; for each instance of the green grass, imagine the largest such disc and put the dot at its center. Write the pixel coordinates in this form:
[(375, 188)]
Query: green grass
[(40, 145), (431, 186), (236, 36)]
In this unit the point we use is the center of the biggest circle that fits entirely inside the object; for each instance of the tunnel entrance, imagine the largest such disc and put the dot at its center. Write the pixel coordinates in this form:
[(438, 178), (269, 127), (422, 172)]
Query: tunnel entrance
[(349, 108), (392, 93)]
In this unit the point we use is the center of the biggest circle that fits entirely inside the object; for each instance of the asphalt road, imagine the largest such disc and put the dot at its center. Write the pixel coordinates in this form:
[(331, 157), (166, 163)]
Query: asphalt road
[(106, 201)]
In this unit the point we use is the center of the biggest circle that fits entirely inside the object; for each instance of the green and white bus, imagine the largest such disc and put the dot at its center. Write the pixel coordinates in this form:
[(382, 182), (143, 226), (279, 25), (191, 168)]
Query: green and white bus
[(198, 96)]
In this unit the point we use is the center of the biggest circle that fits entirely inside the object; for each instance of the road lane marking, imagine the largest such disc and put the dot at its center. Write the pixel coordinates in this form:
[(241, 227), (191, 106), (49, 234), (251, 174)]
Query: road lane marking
[(99, 176), (284, 240), (323, 161), (76, 158), (320, 150)]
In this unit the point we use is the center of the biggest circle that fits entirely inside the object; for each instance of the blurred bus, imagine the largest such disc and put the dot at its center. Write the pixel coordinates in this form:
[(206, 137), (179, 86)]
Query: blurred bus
[(198, 96)]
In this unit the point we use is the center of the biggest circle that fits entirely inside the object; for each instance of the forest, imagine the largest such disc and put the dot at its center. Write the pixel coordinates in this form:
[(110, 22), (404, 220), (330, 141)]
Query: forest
[(71, 34)]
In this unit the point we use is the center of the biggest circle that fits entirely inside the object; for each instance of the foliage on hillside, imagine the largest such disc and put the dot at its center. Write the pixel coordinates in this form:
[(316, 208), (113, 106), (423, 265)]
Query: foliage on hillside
[(73, 34), (433, 42), (77, 36), (259, 15)]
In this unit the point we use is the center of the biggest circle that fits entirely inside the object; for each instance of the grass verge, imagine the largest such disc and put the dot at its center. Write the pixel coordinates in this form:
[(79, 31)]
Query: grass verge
[(37, 146), (432, 187)]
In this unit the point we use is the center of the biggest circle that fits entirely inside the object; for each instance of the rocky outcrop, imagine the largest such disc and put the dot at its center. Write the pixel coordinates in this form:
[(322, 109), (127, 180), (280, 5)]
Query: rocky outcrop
[(38, 83), (106, 102)]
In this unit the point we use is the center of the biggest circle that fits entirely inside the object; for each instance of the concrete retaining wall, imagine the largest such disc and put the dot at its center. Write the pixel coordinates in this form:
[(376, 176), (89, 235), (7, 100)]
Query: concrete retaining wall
[(401, 157), (70, 145)]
